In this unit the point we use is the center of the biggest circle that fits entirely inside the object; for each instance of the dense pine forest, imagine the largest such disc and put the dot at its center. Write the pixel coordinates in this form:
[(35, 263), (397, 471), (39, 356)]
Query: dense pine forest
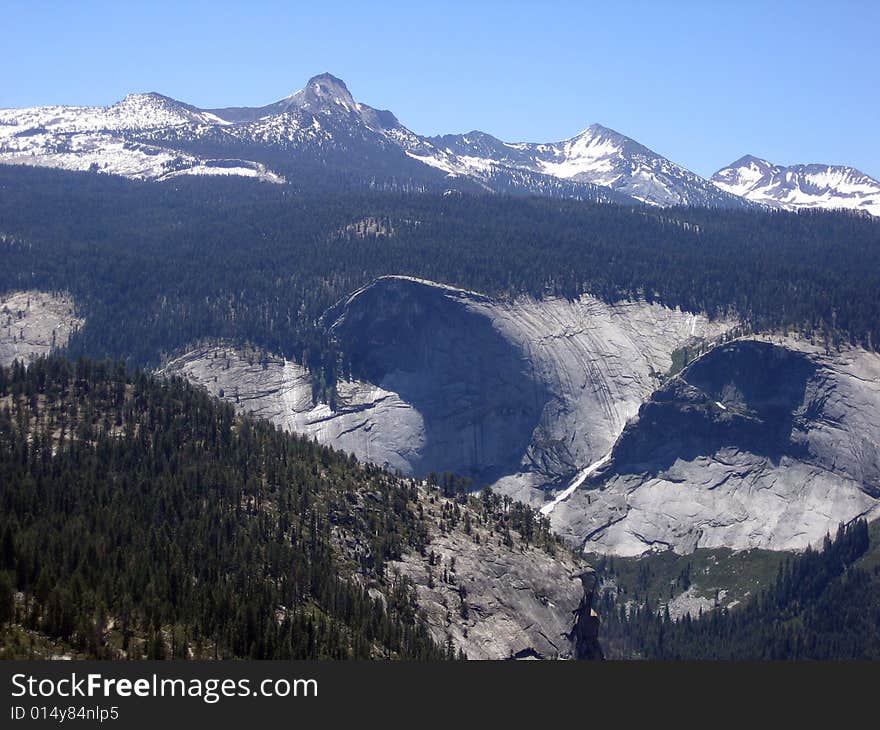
[(154, 267), (823, 604), (141, 519)]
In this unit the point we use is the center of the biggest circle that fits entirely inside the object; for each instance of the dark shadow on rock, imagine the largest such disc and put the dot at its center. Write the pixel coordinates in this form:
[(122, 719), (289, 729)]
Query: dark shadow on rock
[(472, 387), (744, 395)]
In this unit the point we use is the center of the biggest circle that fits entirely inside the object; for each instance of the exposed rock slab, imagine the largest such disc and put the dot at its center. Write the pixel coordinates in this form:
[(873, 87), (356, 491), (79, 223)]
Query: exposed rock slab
[(280, 391), (33, 323), (504, 602), (519, 394), (756, 444)]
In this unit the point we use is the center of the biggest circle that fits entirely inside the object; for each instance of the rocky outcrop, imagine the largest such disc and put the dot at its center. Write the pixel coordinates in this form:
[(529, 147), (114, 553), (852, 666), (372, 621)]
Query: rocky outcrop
[(499, 600), (280, 391), (33, 323), (755, 444), (584, 635), (518, 394)]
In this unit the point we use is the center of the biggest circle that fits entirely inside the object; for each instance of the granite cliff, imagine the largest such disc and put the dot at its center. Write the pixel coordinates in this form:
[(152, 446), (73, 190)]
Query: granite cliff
[(516, 394), (755, 444), (570, 407)]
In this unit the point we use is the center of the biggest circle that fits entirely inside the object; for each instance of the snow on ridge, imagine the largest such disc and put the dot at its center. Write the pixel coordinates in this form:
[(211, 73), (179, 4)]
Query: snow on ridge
[(131, 136), (100, 139), (134, 112), (801, 186), (596, 156)]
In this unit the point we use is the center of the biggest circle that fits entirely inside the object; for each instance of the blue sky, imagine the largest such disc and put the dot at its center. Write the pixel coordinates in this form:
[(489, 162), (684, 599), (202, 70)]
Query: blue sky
[(699, 82)]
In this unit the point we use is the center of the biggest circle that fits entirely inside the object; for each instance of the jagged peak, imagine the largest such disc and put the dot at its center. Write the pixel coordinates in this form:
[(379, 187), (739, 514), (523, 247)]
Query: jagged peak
[(600, 133), (600, 130), (329, 80), (597, 128), (328, 94), (480, 135), (606, 137), (751, 161), (323, 90)]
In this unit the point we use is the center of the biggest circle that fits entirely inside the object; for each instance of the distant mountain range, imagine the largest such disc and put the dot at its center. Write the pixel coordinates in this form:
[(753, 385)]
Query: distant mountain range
[(800, 186), (321, 136)]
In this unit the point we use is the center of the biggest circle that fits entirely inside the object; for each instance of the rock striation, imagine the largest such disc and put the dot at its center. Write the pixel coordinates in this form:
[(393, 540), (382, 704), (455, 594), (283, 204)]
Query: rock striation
[(502, 601), (565, 405), (755, 444), (518, 394)]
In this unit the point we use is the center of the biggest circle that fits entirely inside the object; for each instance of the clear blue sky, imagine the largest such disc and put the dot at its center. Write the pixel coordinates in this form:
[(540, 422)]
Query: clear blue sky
[(700, 82)]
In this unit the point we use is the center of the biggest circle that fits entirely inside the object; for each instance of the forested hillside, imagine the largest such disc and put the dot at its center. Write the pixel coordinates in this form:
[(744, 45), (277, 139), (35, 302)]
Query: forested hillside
[(154, 267), (823, 604), (140, 518)]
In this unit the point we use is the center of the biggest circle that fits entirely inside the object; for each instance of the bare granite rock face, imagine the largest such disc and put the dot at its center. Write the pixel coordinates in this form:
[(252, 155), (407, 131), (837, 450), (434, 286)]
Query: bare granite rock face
[(33, 323), (280, 391), (500, 601), (517, 394), (755, 444)]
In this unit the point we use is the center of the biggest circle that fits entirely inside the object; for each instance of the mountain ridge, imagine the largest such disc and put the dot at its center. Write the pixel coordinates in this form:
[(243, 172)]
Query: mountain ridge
[(800, 186), (323, 129)]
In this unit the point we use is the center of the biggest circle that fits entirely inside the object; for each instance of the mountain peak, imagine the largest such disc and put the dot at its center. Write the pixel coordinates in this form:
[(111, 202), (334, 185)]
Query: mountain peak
[(327, 78), (743, 175), (325, 89), (143, 97), (327, 94), (597, 128), (751, 160), (599, 133), (800, 186)]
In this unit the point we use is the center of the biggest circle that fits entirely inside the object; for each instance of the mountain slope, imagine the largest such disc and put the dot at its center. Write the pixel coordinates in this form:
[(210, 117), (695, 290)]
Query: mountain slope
[(104, 139), (800, 186), (34, 323), (166, 527), (134, 112), (756, 443), (598, 156), (520, 395), (322, 133)]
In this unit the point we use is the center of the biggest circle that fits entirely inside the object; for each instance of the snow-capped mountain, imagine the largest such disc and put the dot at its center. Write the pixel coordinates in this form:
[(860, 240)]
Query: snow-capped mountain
[(800, 186), (323, 94), (323, 126), (321, 136), (599, 156), (104, 139), (321, 132)]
